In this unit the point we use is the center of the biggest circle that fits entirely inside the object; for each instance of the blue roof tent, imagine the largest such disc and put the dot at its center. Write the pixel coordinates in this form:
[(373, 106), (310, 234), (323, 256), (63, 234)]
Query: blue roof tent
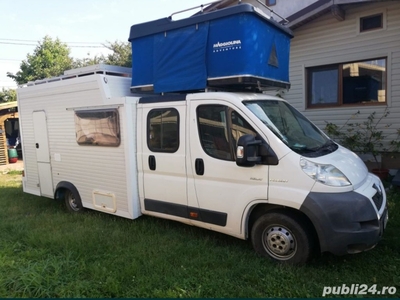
[(234, 47)]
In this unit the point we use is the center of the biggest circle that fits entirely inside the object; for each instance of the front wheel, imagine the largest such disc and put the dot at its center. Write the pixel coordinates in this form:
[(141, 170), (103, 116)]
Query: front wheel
[(283, 237), (73, 202)]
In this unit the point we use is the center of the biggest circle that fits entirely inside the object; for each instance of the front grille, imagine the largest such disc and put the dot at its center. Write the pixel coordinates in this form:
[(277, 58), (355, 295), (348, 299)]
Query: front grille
[(378, 197)]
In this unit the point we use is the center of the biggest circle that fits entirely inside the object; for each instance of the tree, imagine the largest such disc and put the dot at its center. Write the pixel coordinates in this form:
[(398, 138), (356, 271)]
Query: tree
[(52, 57), (8, 95), (87, 61), (121, 56), (49, 59)]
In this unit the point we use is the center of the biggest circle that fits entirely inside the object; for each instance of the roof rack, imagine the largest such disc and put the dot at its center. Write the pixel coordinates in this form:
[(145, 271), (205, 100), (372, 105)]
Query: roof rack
[(239, 83), (86, 71)]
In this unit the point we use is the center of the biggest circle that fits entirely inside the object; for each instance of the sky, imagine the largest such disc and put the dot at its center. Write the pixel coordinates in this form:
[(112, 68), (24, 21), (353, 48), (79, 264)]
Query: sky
[(82, 24)]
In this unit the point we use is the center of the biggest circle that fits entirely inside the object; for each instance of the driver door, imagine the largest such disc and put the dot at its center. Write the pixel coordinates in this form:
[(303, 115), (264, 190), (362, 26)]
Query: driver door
[(218, 187)]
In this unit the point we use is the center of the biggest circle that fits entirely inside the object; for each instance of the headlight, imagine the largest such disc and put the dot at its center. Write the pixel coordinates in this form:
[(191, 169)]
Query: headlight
[(326, 174)]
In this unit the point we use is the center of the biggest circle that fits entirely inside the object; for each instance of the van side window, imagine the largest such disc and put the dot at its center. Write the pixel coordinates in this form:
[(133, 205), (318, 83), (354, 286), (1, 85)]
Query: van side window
[(97, 127), (220, 127), (240, 127), (213, 131), (163, 130)]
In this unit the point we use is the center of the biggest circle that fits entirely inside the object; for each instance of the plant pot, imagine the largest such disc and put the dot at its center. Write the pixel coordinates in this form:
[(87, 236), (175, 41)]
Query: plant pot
[(381, 173), (12, 155)]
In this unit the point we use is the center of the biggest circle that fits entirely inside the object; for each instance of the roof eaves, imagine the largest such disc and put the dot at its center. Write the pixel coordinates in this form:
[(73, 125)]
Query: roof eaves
[(218, 5), (8, 105), (308, 13), (317, 9)]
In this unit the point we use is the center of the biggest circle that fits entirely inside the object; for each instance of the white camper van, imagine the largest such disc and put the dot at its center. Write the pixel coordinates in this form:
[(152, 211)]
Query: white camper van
[(244, 164)]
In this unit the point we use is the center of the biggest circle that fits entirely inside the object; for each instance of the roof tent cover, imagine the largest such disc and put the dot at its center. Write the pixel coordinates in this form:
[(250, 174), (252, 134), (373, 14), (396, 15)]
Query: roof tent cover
[(229, 47)]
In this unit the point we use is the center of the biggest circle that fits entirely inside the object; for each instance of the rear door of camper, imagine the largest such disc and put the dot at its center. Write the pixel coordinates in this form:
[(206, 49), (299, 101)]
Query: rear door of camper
[(42, 153)]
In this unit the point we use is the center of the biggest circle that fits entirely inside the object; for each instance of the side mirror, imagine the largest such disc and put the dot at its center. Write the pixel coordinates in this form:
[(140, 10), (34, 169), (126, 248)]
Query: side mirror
[(247, 151), (251, 152)]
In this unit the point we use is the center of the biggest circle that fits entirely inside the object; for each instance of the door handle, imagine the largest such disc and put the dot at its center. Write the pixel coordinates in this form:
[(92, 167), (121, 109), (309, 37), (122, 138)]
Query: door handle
[(199, 166), (152, 162), (37, 145)]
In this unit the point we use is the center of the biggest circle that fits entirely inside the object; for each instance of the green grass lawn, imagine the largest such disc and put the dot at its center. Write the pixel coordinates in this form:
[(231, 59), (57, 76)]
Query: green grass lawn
[(47, 252)]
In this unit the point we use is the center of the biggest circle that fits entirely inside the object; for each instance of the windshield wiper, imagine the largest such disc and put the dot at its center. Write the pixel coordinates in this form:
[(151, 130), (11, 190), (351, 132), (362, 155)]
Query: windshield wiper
[(302, 150), (326, 148), (329, 146)]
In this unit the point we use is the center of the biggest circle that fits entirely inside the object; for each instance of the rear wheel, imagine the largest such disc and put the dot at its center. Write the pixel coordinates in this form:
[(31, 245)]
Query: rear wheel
[(283, 237), (73, 202)]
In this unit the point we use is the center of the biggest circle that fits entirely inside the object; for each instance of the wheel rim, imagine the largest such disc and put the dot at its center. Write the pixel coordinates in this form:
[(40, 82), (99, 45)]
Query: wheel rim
[(72, 202), (279, 242)]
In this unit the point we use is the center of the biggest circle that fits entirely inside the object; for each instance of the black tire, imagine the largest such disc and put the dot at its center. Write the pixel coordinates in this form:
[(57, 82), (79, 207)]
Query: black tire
[(73, 202), (285, 238)]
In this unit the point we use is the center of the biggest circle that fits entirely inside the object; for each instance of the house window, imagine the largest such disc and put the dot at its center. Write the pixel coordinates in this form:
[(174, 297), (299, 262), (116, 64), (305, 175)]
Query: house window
[(163, 130), (371, 22), (97, 127), (359, 82), (270, 2)]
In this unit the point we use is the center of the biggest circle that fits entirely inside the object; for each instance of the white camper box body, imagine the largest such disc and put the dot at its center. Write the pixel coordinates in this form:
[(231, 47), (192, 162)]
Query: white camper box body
[(279, 180), (106, 177)]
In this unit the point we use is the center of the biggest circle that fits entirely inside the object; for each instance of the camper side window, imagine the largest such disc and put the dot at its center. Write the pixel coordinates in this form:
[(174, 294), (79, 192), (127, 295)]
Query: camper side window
[(97, 127), (163, 130)]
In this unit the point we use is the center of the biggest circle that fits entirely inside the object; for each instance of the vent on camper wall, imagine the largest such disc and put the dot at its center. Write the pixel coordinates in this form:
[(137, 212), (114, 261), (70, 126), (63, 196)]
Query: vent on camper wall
[(87, 71), (237, 47)]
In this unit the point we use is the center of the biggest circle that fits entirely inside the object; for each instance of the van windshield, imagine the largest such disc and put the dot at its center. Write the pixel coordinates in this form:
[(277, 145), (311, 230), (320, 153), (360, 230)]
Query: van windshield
[(291, 127)]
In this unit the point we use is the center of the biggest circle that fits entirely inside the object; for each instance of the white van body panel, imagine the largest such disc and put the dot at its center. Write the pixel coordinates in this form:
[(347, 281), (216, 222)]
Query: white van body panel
[(105, 177), (169, 181), (288, 184), (348, 163), (224, 187)]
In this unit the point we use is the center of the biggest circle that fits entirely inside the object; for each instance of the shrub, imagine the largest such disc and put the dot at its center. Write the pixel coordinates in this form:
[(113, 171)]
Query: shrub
[(366, 137)]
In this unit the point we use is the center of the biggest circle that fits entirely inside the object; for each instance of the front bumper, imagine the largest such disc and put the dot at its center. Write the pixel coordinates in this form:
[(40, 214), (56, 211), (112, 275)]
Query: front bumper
[(349, 222)]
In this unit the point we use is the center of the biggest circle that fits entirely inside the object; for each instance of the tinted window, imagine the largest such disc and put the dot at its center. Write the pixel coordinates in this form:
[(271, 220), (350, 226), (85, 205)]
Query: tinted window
[(240, 127), (219, 129), (371, 22), (358, 82), (213, 131), (97, 127), (163, 130), (290, 126)]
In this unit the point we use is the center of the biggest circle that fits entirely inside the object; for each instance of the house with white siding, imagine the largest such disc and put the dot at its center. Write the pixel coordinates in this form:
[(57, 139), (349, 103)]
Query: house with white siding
[(344, 58), (283, 8), (276, 9)]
